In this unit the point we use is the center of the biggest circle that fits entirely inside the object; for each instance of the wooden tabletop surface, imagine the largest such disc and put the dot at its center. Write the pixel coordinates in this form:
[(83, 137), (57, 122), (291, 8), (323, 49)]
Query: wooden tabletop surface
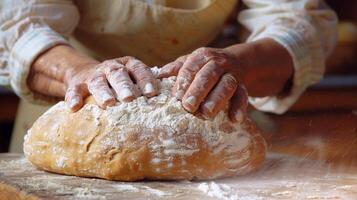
[(281, 177)]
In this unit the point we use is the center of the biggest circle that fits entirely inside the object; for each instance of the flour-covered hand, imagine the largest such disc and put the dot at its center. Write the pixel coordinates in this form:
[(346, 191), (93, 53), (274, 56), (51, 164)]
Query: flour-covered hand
[(207, 80), (117, 74)]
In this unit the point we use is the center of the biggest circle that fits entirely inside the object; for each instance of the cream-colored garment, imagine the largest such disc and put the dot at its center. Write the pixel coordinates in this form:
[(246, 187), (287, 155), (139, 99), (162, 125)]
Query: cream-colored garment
[(162, 30), (156, 33)]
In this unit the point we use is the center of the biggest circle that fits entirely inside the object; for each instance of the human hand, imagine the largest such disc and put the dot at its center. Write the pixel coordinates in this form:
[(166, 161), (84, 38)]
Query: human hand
[(98, 80), (64, 72), (207, 80)]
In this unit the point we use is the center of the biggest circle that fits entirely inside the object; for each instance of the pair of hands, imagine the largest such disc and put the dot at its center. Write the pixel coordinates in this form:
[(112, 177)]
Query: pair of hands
[(207, 80)]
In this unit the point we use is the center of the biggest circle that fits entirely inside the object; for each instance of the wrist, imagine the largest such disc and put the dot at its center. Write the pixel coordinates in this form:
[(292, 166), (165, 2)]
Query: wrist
[(267, 66), (247, 59), (61, 62)]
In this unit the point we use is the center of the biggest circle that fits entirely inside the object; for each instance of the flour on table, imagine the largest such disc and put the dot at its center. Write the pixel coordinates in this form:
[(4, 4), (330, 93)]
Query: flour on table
[(219, 191), (127, 187)]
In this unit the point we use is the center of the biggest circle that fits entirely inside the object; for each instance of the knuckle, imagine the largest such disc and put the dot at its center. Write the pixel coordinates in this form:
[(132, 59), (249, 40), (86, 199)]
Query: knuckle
[(169, 67), (188, 71), (121, 70), (128, 58), (106, 64), (133, 62), (175, 64), (181, 59), (96, 80), (203, 50), (138, 68), (117, 74), (207, 75), (110, 65), (230, 82), (143, 74), (124, 60), (219, 60), (145, 79)]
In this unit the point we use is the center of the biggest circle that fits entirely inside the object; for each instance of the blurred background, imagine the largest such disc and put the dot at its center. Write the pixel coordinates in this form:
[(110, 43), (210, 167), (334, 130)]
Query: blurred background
[(321, 125)]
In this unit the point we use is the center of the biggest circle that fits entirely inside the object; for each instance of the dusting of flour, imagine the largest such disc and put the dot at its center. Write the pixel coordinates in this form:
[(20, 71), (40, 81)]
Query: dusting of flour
[(166, 112), (178, 131), (219, 191)]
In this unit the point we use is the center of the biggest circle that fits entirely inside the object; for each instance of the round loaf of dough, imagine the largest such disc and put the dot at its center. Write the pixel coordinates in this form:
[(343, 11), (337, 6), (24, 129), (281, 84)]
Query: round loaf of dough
[(148, 138)]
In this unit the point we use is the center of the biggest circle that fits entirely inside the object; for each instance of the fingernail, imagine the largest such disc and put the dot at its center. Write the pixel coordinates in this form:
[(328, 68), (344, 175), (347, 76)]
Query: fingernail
[(179, 94), (124, 94), (209, 106), (73, 103), (206, 117), (149, 88), (108, 100), (192, 100), (106, 97), (239, 116)]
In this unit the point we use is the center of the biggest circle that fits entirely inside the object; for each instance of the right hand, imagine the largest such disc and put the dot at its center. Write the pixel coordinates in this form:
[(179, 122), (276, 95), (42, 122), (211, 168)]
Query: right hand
[(97, 80), (64, 72)]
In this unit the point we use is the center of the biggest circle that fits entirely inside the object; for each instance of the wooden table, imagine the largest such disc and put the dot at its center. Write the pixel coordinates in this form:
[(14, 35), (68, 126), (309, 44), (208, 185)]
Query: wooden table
[(282, 177)]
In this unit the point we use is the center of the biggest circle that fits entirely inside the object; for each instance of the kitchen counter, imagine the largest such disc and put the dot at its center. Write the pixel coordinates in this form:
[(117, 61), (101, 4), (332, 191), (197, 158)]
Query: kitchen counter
[(281, 177)]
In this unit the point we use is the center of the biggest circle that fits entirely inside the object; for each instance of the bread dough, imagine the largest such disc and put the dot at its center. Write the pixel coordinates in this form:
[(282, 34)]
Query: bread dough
[(151, 138)]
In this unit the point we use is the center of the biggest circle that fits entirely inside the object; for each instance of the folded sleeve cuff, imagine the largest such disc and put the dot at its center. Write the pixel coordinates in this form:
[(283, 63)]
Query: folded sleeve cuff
[(27, 48), (308, 60)]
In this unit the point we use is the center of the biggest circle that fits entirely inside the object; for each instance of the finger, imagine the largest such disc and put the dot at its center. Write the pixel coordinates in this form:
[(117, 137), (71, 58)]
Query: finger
[(202, 84), (219, 96), (98, 87), (121, 82), (239, 104), (75, 96), (142, 75), (187, 73), (172, 69), (44, 85)]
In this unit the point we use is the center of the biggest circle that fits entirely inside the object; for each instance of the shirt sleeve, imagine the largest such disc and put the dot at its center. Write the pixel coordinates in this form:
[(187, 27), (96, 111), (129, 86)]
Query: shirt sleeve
[(28, 28), (306, 28)]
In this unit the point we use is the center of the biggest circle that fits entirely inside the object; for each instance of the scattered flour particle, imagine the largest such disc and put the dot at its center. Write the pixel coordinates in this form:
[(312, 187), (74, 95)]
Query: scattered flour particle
[(156, 160), (219, 191), (283, 193), (126, 188), (86, 193), (156, 191), (60, 162)]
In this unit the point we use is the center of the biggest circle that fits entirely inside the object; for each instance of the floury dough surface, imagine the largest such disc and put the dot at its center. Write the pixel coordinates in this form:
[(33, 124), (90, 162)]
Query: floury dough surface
[(151, 138)]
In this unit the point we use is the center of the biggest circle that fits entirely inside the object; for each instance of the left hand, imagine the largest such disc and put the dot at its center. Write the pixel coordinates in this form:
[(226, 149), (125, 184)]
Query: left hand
[(207, 80)]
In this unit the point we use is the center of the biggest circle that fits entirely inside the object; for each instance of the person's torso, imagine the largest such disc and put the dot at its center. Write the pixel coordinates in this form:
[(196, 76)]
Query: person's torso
[(155, 32)]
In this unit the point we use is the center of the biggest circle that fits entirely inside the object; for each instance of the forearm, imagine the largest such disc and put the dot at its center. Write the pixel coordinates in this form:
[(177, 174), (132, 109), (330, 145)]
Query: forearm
[(267, 66)]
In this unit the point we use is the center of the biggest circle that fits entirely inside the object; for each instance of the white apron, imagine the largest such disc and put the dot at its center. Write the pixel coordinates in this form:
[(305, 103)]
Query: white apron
[(154, 31)]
